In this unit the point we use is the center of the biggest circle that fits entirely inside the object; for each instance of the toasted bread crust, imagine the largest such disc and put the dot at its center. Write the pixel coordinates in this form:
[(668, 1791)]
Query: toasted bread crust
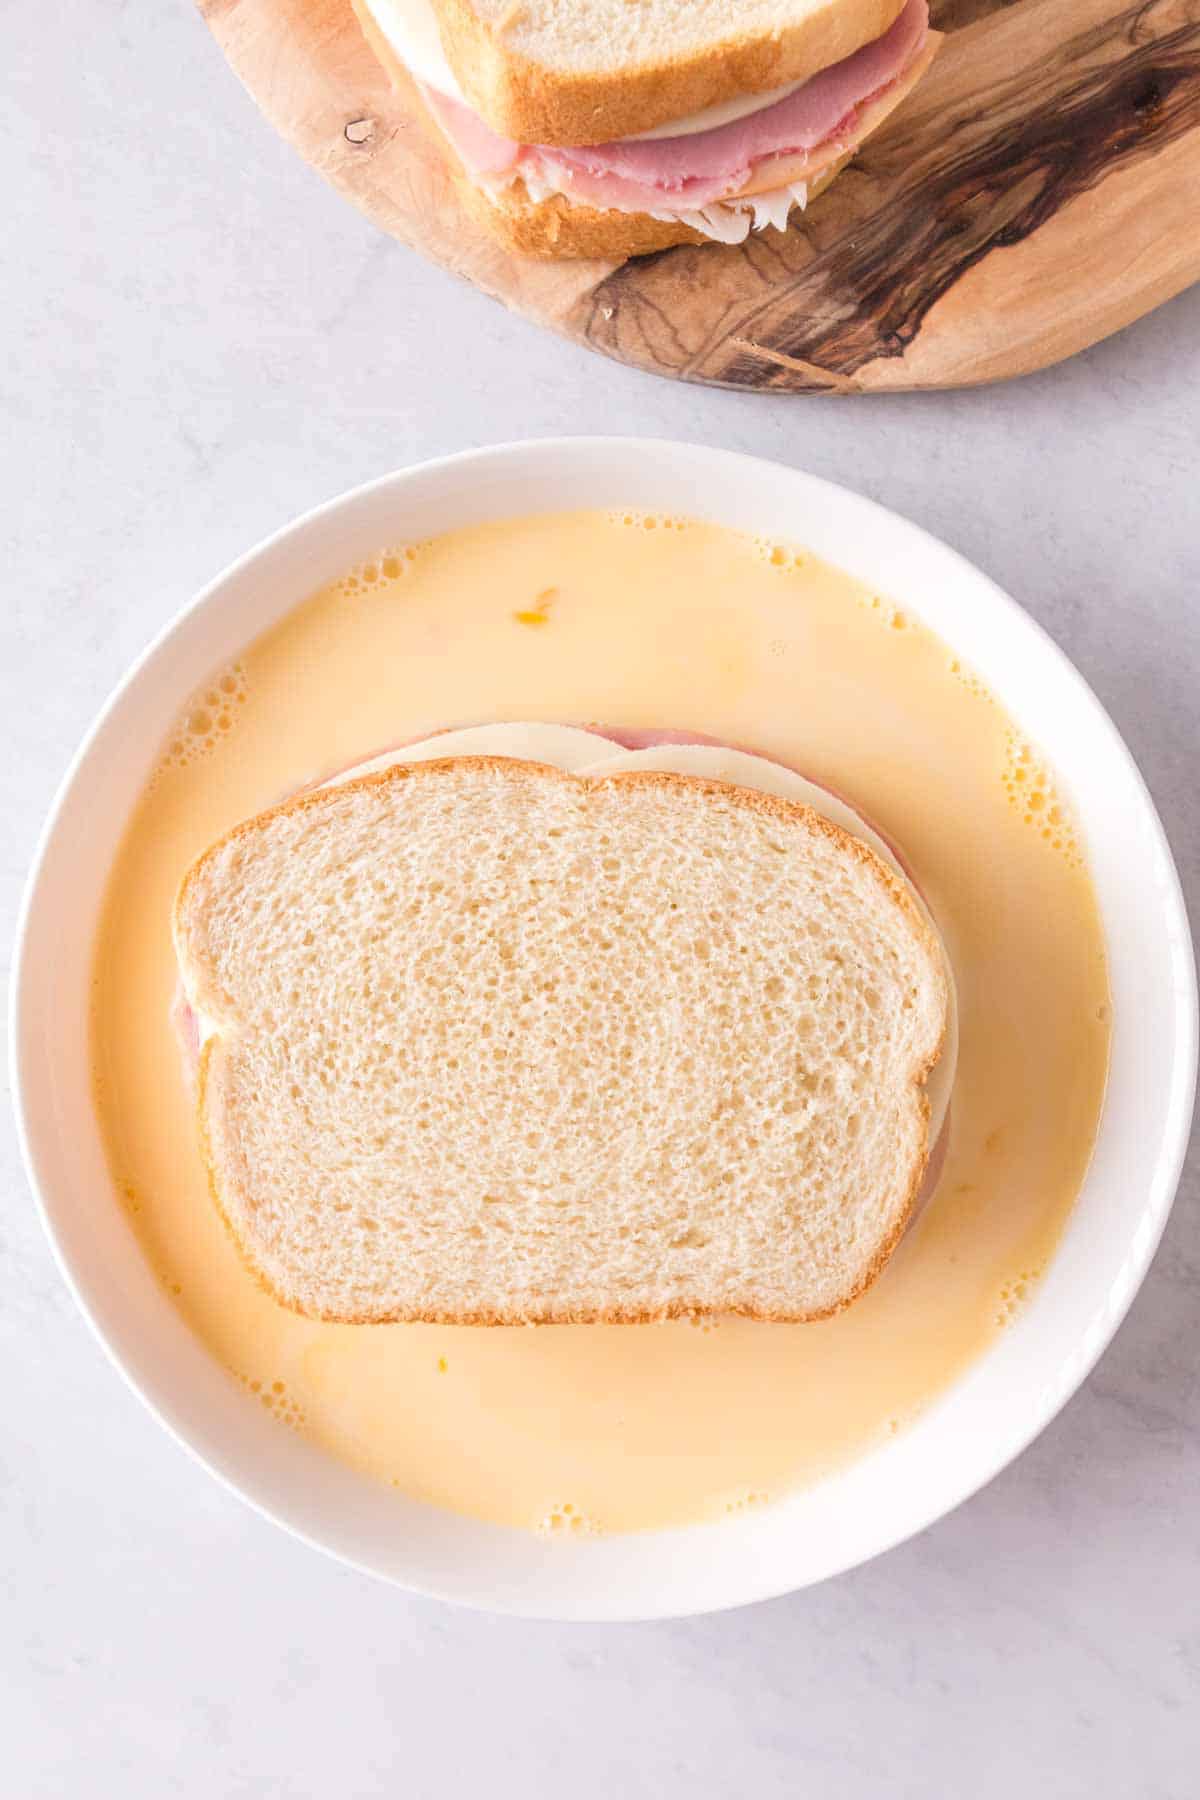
[(768, 806), (612, 1315), (523, 99)]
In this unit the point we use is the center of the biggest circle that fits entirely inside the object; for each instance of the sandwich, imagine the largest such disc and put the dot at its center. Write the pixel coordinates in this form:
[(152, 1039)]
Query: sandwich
[(532, 1024), (625, 126)]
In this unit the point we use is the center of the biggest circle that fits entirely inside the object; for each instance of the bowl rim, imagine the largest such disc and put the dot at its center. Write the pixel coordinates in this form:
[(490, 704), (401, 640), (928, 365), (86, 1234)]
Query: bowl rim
[(1162, 1178)]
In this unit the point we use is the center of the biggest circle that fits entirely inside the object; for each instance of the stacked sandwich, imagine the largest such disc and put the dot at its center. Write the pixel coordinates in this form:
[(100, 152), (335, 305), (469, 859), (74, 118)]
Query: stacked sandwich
[(626, 126), (528, 1023)]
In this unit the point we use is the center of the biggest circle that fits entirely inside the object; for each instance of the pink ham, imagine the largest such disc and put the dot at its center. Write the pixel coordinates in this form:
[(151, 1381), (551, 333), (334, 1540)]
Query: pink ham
[(687, 173), (480, 149), (186, 1027)]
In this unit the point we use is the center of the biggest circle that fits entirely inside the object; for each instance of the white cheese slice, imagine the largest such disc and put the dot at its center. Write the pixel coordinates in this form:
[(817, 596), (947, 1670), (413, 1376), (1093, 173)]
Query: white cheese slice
[(563, 746)]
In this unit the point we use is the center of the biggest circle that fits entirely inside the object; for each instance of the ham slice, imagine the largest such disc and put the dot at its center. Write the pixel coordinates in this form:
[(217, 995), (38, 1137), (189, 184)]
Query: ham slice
[(689, 173)]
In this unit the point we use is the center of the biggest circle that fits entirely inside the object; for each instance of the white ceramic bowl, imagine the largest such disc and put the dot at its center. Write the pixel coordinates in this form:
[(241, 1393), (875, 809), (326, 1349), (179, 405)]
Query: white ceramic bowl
[(985, 1419)]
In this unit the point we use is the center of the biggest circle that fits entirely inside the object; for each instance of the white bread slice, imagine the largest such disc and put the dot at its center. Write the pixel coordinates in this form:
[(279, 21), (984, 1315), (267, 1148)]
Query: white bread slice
[(498, 1043), (743, 768), (570, 72), (588, 751), (409, 29)]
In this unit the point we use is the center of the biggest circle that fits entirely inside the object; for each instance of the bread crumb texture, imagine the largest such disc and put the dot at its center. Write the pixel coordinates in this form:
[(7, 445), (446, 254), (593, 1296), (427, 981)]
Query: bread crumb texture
[(565, 38), (496, 1043)]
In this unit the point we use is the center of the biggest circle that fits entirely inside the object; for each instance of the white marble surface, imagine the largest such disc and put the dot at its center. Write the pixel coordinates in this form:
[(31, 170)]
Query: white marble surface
[(199, 342)]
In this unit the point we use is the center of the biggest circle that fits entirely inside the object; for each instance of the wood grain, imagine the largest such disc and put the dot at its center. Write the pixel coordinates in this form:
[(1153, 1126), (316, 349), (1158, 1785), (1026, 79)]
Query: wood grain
[(1040, 190)]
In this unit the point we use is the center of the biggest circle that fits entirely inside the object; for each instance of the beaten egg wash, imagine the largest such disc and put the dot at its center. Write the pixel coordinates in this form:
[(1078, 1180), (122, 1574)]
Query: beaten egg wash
[(631, 621)]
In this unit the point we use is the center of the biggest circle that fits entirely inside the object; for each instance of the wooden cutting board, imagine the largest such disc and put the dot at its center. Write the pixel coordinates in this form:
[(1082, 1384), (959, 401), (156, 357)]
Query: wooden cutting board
[(1040, 190)]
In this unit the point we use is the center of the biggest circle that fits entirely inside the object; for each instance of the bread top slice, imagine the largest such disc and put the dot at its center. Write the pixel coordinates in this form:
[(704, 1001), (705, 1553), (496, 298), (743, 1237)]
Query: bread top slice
[(605, 750), (497, 1043), (565, 72)]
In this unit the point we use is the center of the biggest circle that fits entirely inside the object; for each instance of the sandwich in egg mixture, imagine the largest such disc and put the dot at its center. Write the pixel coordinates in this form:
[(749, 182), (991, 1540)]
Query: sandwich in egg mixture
[(453, 1057), (624, 126), (532, 1024)]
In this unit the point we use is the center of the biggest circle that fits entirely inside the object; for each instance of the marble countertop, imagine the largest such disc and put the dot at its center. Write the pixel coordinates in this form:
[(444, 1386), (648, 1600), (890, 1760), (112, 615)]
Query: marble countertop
[(200, 342)]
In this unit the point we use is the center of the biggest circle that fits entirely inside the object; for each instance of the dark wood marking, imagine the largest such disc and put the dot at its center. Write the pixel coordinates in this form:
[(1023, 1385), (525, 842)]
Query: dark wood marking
[(1039, 190), (981, 177), (955, 15)]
